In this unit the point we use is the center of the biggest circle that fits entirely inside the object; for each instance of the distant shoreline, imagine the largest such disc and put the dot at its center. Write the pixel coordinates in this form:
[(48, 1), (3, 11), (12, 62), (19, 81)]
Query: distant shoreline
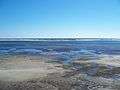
[(59, 39)]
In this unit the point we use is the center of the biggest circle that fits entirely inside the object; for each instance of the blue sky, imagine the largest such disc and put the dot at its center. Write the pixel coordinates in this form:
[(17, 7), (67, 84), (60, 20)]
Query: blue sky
[(60, 18)]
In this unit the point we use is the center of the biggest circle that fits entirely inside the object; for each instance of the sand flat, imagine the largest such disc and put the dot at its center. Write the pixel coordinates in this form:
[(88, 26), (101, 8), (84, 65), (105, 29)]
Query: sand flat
[(19, 68), (112, 60)]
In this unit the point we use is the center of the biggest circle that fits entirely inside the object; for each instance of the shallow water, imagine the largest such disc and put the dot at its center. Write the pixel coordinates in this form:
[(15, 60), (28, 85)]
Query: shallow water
[(61, 50)]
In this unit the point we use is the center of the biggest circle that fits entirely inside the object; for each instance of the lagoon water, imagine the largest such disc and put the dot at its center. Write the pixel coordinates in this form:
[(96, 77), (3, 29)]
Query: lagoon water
[(64, 50)]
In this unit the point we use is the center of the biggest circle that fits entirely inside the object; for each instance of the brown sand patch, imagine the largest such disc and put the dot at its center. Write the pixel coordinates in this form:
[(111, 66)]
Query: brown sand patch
[(22, 68)]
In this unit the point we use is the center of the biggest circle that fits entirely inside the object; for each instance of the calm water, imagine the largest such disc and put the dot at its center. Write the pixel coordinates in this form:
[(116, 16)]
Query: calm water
[(62, 50)]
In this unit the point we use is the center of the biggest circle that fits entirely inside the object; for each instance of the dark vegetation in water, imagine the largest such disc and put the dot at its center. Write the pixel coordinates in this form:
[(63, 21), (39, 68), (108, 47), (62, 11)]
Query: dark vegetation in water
[(106, 72), (94, 69)]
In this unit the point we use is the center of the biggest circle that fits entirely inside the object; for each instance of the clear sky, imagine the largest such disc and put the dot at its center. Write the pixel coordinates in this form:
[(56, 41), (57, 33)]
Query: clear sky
[(60, 18)]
